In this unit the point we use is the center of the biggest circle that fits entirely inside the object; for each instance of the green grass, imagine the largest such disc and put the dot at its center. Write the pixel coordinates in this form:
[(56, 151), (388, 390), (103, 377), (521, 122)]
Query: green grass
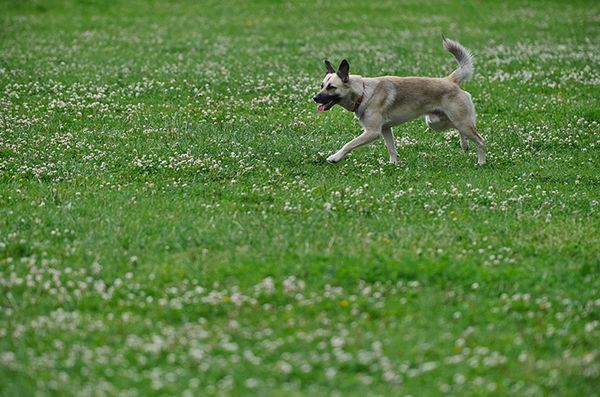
[(169, 226)]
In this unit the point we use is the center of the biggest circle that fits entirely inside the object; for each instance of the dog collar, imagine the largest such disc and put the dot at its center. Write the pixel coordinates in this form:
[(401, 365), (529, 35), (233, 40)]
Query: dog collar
[(359, 99)]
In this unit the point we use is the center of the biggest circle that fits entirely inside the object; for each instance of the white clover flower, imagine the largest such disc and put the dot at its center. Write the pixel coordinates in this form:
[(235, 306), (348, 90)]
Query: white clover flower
[(330, 373), (284, 367)]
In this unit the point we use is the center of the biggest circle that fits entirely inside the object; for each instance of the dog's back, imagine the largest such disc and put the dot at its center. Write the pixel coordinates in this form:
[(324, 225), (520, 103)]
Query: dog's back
[(405, 98)]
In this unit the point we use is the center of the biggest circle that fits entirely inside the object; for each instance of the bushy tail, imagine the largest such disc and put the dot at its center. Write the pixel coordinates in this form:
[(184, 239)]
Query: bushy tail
[(464, 58)]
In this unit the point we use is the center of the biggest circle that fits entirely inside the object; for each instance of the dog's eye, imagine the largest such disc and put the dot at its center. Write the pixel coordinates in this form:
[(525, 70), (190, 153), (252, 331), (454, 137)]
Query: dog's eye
[(321, 85), (330, 87)]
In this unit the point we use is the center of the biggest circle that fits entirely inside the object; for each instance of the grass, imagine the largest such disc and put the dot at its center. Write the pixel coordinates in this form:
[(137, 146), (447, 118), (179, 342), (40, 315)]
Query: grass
[(168, 224)]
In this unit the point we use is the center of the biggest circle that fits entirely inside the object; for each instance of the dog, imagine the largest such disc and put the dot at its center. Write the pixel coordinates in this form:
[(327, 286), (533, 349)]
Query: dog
[(380, 103)]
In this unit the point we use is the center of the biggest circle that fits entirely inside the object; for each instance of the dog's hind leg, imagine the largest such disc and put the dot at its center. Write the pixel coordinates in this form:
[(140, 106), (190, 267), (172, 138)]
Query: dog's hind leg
[(469, 130), (462, 114), (464, 144), (388, 138), (438, 121)]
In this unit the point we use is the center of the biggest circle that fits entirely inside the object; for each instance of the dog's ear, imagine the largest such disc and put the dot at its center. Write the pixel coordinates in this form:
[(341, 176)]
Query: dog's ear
[(329, 67), (344, 71)]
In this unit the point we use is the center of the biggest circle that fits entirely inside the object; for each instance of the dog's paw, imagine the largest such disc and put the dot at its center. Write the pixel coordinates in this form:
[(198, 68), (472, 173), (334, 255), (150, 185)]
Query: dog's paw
[(333, 159), (393, 161)]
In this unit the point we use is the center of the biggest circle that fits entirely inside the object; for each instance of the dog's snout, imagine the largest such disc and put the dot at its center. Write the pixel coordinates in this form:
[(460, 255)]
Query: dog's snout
[(316, 98)]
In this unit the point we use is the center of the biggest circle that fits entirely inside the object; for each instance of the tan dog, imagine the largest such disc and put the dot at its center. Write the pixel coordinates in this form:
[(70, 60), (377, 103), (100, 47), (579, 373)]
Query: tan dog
[(380, 103)]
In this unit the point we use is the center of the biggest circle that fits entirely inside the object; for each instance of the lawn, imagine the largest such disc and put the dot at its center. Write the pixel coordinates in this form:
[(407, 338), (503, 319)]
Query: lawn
[(169, 225)]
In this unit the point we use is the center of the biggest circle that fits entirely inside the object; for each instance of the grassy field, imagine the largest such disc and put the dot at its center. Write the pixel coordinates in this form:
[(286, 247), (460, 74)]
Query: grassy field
[(169, 225)]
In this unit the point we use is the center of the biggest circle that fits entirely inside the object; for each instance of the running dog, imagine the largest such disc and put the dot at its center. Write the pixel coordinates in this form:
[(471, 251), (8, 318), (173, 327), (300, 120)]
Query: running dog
[(380, 103)]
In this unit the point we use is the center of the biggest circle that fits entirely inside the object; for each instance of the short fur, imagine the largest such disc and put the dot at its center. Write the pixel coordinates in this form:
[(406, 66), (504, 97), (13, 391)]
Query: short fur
[(380, 103)]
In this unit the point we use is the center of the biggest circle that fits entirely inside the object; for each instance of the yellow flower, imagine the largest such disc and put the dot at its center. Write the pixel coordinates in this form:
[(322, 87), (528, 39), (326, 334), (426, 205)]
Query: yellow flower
[(225, 298), (344, 303)]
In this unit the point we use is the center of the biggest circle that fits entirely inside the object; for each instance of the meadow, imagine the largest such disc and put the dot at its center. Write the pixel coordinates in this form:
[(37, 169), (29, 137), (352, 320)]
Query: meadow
[(169, 225)]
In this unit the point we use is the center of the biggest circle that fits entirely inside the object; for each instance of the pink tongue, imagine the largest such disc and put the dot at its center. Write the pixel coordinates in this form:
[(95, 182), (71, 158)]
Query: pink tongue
[(321, 108)]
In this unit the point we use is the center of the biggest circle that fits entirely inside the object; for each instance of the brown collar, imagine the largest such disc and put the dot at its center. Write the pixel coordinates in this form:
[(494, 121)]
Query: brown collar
[(359, 99)]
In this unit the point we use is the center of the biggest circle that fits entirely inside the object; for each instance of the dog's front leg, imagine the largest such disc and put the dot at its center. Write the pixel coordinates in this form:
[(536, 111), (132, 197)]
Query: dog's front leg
[(366, 137), (388, 138)]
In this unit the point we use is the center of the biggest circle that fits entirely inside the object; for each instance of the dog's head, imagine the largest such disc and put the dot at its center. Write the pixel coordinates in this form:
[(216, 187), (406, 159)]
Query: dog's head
[(335, 87)]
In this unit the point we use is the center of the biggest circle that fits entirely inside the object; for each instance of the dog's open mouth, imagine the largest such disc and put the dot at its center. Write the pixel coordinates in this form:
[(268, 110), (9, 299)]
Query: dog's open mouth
[(326, 106)]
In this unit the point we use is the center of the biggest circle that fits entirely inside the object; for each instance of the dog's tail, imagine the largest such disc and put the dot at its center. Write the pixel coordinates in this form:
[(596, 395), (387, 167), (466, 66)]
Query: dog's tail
[(464, 58)]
